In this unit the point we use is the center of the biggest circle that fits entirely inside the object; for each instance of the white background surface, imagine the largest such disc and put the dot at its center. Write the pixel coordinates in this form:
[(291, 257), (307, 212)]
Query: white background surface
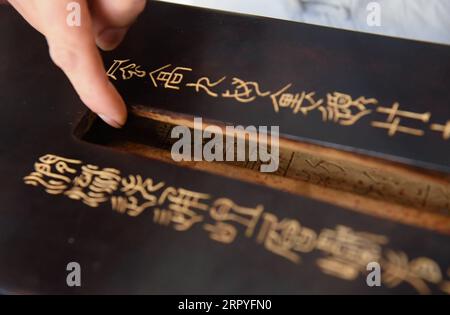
[(427, 20)]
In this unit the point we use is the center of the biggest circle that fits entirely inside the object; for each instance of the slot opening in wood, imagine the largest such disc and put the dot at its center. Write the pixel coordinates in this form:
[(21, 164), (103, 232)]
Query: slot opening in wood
[(369, 185)]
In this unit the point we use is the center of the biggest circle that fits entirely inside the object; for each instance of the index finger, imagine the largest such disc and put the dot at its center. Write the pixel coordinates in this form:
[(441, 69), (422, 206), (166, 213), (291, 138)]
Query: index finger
[(73, 49)]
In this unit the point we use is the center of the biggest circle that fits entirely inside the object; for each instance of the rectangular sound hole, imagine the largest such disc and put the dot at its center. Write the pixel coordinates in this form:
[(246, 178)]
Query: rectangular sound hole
[(378, 188)]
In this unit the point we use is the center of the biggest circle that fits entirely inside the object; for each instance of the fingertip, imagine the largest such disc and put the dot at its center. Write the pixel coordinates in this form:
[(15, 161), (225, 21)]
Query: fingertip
[(109, 106), (110, 121), (110, 38), (119, 110)]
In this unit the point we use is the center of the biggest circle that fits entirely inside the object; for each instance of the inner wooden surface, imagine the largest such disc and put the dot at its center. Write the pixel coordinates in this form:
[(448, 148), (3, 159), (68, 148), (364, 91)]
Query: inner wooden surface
[(358, 183)]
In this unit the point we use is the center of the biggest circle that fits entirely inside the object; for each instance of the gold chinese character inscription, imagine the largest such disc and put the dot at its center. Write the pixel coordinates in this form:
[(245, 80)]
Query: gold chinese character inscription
[(135, 188), (171, 79), (224, 211), (286, 238), (128, 71), (244, 92), (94, 186), (342, 109), (206, 85), (348, 251), (444, 129), (180, 206), (301, 102), (52, 172), (398, 269), (338, 107), (395, 116)]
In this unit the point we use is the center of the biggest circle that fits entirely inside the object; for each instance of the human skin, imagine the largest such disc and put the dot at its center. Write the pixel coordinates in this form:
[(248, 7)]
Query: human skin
[(74, 49)]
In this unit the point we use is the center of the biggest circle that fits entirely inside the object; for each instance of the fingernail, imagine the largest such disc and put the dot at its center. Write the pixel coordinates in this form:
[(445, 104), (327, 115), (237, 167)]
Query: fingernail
[(109, 39), (110, 121)]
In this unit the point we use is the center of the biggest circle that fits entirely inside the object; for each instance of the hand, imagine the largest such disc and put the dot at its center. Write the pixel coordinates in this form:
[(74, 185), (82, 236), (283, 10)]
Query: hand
[(104, 23)]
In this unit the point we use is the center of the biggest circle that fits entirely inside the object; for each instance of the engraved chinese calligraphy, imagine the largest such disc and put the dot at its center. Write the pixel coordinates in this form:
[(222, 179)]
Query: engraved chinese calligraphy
[(337, 107), (342, 252)]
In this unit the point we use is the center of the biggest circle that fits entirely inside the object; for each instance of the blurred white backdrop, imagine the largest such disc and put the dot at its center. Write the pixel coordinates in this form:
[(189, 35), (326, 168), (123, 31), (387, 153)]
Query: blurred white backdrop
[(427, 20)]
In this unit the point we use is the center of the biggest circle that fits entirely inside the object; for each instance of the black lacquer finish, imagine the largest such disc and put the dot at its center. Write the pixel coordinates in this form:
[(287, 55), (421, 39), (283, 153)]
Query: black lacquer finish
[(40, 233)]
